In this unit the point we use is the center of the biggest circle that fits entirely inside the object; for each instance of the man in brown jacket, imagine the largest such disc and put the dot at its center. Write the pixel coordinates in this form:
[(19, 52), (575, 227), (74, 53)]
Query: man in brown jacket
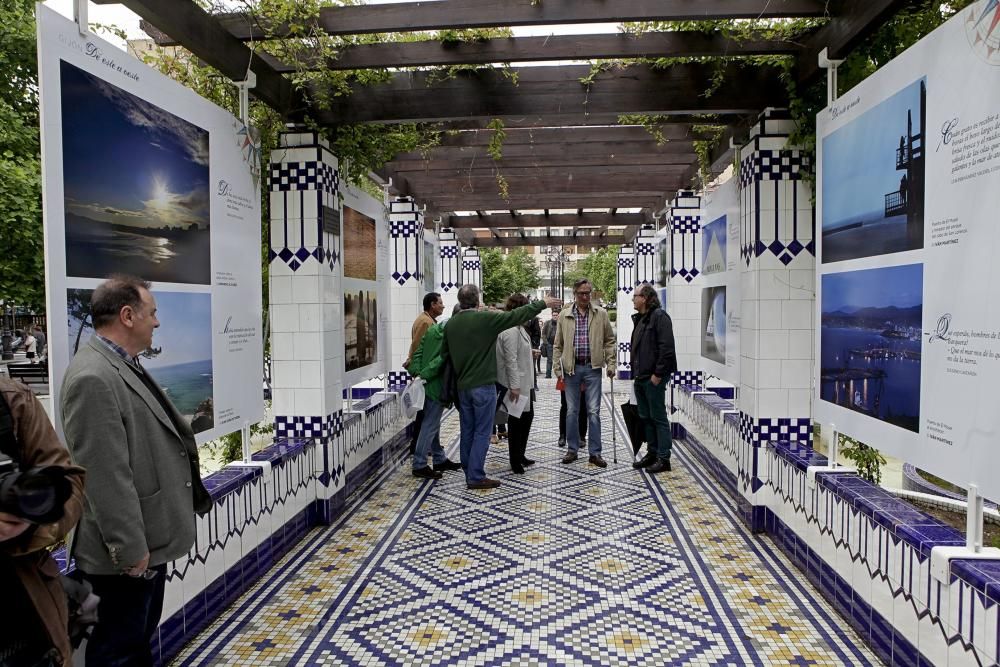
[(29, 577)]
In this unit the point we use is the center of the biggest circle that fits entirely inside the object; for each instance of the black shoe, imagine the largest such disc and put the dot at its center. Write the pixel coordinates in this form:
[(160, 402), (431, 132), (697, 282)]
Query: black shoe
[(569, 458), (518, 469), (562, 442), (659, 466), (447, 465), (598, 461), (527, 462), (427, 473), (646, 461), (484, 483)]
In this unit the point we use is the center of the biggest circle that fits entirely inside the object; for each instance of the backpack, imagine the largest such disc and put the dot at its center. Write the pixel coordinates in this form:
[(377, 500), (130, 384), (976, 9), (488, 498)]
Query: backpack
[(80, 598)]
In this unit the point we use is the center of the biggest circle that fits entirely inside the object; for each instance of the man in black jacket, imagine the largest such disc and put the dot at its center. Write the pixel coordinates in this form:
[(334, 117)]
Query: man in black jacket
[(654, 360)]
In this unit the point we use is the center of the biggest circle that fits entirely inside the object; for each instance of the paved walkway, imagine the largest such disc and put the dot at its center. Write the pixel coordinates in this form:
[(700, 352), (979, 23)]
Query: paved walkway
[(565, 565)]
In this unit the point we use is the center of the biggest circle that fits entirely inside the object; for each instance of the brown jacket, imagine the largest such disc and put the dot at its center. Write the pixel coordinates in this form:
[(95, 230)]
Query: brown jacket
[(417, 331), (36, 569), (603, 343)]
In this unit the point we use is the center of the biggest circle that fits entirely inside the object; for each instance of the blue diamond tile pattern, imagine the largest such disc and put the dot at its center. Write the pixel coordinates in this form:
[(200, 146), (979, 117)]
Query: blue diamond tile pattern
[(564, 565)]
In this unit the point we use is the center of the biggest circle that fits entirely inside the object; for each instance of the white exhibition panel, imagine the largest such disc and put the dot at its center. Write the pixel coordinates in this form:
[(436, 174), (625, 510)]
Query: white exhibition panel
[(365, 284), (719, 325), (909, 327), (143, 176)]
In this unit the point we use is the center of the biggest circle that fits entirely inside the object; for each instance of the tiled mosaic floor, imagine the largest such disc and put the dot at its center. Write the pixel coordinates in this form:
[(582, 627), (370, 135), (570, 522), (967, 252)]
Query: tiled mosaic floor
[(566, 565)]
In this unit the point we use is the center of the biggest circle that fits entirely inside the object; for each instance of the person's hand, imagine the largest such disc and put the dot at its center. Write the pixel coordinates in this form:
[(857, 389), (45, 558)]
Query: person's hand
[(11, 526), (139, 568), (611, 373), (515, 394), (656, 380), (536, 353), (553, 303)]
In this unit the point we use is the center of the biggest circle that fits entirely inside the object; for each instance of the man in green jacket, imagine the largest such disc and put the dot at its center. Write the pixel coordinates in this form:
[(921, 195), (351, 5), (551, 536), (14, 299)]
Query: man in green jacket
[(426, 363), (470, 338)]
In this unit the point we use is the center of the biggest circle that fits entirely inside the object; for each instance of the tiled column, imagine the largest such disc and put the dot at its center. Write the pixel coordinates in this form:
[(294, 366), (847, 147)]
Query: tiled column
[(778, 279), (406, 292), (449, 268), (684, 287), (305, 296), (472, 268), (626, 287)]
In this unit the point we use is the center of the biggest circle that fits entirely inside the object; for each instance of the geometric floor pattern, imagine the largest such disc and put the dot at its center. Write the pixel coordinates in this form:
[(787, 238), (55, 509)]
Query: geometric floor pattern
[(565, 565)]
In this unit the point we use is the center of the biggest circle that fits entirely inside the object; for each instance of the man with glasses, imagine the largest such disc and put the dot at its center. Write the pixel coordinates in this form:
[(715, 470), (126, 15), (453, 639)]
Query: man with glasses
[(143, 478), (584, 344)]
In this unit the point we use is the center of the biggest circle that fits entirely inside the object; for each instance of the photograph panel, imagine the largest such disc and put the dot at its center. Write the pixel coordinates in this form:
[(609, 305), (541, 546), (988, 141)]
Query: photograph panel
[(713, 324), (136, 185), (359, 245), (713, 246), (180, 359), (873, 179), (360, 328), (870, 342)]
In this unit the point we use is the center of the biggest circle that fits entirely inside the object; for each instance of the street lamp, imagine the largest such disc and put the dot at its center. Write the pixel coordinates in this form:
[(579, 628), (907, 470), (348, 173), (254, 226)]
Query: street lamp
[(555, 260), (7, 334)]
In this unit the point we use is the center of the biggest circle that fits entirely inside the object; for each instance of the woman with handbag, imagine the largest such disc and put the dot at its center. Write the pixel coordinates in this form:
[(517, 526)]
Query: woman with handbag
[(515, 372)]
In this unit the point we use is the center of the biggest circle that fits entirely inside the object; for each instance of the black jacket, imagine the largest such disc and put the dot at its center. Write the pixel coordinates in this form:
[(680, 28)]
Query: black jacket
[(653, 351)]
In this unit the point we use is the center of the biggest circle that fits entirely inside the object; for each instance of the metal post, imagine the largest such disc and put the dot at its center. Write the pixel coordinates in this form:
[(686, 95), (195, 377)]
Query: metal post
[(80, 8), (245, 441), (834, 443), (974, 521), (831, 75)]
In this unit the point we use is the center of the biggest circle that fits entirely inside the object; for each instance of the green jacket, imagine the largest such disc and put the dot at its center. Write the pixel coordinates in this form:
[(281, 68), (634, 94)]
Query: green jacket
[(471, 339), (427, 360)]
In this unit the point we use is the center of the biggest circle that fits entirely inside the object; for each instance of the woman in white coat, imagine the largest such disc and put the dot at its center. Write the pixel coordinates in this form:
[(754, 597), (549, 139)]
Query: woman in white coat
[(516, 372)]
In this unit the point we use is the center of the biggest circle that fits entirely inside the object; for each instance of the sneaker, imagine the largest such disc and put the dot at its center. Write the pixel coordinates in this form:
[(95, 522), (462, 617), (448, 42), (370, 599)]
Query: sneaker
[(447, 465), (598, 461), (569, 458), (484, 483), (427, 473), (659, 466), (646, 461), (562, 442)]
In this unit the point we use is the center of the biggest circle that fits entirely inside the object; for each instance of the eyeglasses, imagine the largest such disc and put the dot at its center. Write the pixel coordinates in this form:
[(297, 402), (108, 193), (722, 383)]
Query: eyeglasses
[(583, 293)]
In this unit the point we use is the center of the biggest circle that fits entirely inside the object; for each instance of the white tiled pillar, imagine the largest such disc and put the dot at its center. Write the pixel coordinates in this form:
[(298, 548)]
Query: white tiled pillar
[(305, 296), (449, 268), (406, 292), (684, 286), (472, 268), (626, 287), (778, 285)]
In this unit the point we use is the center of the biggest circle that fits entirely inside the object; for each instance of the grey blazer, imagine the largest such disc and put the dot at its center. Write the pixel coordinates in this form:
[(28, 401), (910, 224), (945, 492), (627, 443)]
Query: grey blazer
[(515, 365), (143, 481)]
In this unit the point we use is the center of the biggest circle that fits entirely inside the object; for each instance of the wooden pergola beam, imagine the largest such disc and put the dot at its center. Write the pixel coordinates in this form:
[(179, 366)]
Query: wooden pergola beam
[(524, 220), (555, 239), (202, 35), (459, 14), (418, 179), (676, 130), (531, 49), (483, 163), (493, 202), (680, 89)]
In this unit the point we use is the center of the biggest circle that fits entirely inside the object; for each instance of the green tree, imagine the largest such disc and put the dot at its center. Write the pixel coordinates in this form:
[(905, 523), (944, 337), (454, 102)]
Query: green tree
[(601, 269), (503, 275), (22, 268)]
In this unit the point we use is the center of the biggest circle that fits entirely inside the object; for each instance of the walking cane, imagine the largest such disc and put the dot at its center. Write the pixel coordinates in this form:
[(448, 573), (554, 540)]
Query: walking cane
[(614, 424)]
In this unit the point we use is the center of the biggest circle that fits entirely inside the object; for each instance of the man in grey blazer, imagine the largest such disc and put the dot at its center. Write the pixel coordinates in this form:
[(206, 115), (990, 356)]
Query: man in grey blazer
[(143, 484)]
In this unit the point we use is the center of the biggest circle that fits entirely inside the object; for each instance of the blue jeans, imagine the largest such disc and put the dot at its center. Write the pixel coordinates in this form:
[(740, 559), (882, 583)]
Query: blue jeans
[(476, 408), (429, 440), (652, 403), (591, 378)]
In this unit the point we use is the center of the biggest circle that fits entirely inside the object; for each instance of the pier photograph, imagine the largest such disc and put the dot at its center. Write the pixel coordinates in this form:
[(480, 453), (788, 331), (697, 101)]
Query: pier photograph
[(873, 180), (870, 340), (713, 324)]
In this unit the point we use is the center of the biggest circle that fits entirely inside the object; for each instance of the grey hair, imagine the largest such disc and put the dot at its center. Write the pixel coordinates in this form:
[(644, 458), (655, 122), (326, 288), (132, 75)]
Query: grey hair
[(457, 309), (648, 292), (580, 283), (468, 296)]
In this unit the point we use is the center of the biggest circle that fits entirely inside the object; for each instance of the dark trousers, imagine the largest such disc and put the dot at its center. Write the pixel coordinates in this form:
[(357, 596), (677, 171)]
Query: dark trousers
[(129, 613), (417, 421), (518, 429), (652, 404), (582, 421)]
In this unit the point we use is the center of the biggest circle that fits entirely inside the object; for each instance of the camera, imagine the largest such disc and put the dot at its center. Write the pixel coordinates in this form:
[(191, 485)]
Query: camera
[(36, 495)]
